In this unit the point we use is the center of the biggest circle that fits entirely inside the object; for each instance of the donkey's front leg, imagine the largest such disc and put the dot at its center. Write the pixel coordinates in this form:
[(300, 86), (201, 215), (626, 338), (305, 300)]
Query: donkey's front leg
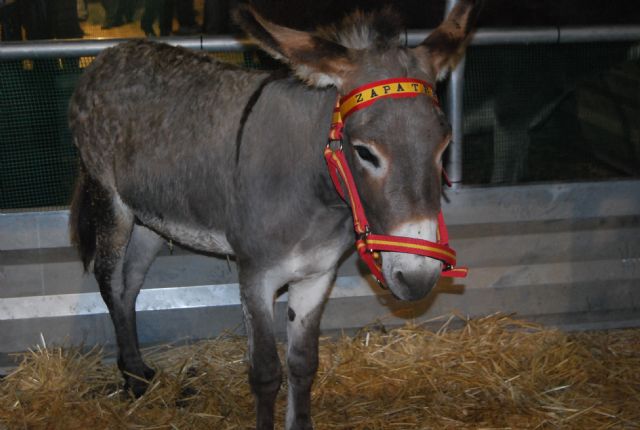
[(265, 371), (306, 302)]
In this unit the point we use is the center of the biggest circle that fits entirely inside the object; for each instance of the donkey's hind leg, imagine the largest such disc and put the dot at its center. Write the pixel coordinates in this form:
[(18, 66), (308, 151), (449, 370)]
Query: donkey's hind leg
[(141, 252), (123, 254)]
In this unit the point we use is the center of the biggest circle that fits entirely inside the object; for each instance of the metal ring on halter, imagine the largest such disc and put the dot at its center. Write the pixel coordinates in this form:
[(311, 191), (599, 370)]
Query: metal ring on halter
[(332, 148)]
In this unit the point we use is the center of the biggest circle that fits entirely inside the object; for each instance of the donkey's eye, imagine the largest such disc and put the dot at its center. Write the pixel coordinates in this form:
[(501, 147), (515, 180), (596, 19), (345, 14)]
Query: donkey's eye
[(366, 155)]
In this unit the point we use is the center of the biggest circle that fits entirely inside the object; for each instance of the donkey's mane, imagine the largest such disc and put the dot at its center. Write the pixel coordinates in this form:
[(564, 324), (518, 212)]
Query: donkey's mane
[(364, 30)]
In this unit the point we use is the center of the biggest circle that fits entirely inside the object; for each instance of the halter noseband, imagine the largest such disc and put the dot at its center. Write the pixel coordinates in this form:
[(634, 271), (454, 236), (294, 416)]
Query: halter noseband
[(368, 243)]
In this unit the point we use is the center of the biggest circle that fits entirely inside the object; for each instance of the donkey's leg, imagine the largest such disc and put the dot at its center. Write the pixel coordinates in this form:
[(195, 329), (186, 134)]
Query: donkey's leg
[(306, 303), (141, 251), (114, 233), (265, 372)]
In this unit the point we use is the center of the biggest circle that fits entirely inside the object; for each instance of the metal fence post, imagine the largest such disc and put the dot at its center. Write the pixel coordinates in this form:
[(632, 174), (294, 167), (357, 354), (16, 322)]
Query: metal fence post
[(454, 112)]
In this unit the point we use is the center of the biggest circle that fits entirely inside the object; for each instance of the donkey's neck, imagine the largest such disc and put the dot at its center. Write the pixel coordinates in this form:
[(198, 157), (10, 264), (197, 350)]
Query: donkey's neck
[(285, 135), (282, 186)]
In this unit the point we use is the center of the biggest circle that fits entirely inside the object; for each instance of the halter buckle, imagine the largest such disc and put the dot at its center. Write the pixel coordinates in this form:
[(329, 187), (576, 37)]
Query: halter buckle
[(335, 144), (363, 236)]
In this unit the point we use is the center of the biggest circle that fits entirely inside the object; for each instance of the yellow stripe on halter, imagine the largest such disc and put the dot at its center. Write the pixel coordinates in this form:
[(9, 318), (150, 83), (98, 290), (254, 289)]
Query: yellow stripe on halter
[(411, 245), (337, 117), (406, 88)]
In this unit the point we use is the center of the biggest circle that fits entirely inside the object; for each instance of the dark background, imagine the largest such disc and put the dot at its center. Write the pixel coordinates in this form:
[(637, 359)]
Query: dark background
[(427, 14)]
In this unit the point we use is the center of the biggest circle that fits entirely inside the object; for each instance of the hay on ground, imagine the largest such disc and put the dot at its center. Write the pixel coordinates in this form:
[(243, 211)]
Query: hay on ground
[(494, 372)]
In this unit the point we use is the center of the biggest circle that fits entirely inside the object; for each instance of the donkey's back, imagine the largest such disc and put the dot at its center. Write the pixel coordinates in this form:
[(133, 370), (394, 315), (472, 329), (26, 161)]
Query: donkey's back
[(142, 92), (152, 123)]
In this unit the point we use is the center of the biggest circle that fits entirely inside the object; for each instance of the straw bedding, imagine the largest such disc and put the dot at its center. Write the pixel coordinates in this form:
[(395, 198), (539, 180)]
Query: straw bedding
[(494, 372)]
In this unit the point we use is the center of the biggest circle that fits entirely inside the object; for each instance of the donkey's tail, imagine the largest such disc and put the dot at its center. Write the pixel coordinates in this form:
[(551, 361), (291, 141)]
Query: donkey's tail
[(82, 218)]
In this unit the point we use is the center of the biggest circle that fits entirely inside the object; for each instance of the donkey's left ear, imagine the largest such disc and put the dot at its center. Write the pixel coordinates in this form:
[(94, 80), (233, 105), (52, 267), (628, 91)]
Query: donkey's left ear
[(443, 48), (319, 62)]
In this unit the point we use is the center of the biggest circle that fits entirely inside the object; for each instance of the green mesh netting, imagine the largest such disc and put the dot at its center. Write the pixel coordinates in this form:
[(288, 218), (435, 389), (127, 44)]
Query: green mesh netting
[(37, 159), (532, 113), (560, 112), (38, 162)]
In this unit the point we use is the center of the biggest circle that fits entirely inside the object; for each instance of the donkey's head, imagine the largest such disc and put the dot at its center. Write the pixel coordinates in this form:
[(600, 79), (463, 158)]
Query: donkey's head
[(395, 145)]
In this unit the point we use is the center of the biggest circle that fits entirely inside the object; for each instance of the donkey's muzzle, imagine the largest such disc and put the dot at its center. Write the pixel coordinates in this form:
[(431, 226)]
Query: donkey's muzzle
[(412, 286), (410, 277)]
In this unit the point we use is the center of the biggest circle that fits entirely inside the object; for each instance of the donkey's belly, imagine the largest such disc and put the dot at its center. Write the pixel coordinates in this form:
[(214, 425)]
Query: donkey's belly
[(207, 240)]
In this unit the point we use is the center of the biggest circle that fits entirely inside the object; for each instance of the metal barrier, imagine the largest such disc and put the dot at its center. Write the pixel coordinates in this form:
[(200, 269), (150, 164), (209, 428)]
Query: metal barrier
[(562, 254)]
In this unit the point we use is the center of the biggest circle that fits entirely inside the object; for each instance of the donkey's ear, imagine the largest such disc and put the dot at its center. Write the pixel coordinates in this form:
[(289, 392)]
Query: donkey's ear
[(318, 61), (443, 48)]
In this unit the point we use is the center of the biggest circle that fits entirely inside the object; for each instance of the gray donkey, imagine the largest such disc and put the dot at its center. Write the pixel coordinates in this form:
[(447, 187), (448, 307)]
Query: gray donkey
[(176, 145)]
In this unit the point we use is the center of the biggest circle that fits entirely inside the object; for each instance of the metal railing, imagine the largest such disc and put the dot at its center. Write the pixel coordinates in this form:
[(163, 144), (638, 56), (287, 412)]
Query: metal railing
[(483, 37)]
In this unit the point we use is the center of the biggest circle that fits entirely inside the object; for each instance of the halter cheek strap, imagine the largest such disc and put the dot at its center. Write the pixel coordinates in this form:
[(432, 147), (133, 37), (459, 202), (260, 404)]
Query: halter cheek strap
[(368, 243)]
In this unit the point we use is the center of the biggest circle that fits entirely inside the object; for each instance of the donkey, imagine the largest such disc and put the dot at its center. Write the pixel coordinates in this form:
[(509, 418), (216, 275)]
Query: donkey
[(175, 145)]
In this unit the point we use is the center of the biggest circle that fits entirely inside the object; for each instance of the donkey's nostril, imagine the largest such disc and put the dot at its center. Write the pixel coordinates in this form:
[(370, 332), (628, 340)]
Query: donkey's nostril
[(413, 286), (398, 276)]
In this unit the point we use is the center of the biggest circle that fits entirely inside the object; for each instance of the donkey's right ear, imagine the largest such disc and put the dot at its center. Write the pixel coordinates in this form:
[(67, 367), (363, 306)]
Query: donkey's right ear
[(318, 61), (441, 51)]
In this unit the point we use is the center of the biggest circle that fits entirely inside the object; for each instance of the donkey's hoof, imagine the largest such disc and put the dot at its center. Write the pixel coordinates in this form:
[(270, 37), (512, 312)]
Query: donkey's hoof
[(138, 385), (149, 373)]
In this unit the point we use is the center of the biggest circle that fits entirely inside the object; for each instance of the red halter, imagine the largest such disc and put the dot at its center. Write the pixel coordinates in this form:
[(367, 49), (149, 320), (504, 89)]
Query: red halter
[(368, 243)]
